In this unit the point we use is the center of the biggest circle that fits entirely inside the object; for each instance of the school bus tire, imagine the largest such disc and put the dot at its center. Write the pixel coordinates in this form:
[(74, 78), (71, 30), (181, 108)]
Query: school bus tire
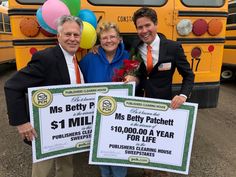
[(227, 74)]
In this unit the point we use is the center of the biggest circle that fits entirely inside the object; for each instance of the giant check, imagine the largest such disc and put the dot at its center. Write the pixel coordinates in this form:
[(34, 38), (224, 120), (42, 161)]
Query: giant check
[(63, 116), (143, 133)]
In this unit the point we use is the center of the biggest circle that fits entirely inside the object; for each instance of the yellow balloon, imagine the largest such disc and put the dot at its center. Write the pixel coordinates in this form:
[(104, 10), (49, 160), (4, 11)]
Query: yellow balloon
[(89, 36)]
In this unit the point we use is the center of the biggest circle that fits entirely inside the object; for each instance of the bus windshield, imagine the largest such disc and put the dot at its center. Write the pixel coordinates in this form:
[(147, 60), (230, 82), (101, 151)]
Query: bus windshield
[(125, 2), (207, 3), (31, 1)]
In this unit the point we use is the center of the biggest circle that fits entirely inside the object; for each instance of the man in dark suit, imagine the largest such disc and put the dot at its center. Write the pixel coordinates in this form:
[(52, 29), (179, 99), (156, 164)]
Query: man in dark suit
[(52, 66), (167, 55), (160, 59)]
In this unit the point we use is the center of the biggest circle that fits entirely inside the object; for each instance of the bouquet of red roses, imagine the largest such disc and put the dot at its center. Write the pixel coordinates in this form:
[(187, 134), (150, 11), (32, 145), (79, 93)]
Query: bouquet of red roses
[(130, 67)]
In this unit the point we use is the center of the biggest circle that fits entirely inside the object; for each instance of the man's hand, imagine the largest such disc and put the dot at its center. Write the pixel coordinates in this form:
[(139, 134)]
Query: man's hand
[(130, 78), (27, 131), (177, 101)]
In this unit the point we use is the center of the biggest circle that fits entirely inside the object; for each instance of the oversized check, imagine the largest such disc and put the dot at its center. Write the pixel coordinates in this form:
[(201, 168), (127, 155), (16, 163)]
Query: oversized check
[(63, 116), (142, 133)]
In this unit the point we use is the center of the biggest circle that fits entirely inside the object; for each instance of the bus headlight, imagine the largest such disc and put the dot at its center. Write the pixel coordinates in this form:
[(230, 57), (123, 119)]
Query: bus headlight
[(215, 27), (184, 27), (200, 27), (29, 27)]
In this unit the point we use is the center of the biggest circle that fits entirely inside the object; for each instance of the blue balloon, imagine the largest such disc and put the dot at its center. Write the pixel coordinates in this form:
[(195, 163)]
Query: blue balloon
[(42, 23), (88, 16)]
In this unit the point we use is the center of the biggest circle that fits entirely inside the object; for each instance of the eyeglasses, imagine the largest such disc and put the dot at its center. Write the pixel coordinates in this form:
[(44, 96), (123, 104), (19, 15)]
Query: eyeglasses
[(106, 38)]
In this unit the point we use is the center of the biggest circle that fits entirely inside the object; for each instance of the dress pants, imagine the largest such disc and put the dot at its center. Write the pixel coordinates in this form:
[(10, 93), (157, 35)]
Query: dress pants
[(63, 167), (112, 171)]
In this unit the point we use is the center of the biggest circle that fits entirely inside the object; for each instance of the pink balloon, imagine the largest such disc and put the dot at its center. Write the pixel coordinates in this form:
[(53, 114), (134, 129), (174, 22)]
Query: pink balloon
[(52, 10)]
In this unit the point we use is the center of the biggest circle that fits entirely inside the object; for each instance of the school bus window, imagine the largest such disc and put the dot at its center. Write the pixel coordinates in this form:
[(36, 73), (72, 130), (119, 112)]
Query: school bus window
[(232, 10), (231, 19), (31, 1), (232, 7), (1, 23), (7, 28), (7, 23), (125, 2), (209, 3)]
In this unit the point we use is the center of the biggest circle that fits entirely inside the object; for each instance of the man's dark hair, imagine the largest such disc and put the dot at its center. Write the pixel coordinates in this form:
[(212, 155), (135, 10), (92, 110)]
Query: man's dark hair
[(145, 12)]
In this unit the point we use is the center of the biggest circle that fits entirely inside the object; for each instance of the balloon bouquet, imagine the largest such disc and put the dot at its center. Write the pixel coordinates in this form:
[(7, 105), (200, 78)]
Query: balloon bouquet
[(51, 10)]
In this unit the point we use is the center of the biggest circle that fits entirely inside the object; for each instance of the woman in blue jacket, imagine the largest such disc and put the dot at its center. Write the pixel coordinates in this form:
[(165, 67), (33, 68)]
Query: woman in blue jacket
[(100, 66)]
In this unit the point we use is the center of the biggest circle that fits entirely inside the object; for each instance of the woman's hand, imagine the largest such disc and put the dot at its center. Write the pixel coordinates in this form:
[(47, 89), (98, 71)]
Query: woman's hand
[(130, 78)]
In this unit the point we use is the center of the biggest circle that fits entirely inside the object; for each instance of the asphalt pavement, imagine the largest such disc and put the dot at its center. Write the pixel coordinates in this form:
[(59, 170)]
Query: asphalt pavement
[(213, 152)]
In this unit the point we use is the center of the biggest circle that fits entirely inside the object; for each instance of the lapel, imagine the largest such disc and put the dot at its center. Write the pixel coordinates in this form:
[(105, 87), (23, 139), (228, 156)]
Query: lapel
[(61, 65), (162, 52)]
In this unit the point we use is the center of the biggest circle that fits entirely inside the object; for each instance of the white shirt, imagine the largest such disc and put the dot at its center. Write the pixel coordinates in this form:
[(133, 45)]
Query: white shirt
[(155, 51), (71, 67)]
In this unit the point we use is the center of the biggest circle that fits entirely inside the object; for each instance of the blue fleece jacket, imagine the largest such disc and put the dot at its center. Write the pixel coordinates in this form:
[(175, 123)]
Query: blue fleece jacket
[(96, 67)]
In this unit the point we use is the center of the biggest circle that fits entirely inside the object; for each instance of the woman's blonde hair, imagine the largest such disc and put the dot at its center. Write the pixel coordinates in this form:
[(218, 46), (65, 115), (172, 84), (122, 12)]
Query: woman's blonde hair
[(106, 26)]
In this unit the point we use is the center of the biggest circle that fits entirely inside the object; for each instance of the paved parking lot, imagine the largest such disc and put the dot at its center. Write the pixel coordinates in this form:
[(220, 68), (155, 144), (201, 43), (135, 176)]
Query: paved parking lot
[(213, 154)]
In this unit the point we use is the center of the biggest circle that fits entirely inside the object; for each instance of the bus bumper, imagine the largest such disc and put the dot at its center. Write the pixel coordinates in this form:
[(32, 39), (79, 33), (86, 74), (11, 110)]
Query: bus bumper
[(205, 94)]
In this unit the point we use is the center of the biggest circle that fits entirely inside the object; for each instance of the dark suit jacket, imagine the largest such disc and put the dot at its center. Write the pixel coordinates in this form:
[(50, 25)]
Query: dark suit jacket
[(47, 67), (157, 83)]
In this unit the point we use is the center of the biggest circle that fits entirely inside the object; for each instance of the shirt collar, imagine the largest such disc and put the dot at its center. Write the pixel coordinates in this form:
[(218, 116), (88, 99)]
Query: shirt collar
[(154, 43), (66, 54)]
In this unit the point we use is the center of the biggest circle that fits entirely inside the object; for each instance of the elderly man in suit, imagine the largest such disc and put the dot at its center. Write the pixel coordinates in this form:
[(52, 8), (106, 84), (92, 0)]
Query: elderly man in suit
[(52, 66), (160, 59)]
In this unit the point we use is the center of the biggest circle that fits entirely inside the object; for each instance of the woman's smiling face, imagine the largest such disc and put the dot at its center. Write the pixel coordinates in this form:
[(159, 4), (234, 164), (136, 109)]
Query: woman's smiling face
[(109, 40)]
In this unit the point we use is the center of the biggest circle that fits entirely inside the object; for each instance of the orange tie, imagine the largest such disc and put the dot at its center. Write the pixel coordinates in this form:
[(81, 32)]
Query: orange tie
[(149, 58), (77, 73)]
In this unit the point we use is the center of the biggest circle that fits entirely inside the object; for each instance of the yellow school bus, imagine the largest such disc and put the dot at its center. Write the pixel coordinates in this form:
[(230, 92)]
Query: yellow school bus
[(7, 52), (198, 24), (228, 71)]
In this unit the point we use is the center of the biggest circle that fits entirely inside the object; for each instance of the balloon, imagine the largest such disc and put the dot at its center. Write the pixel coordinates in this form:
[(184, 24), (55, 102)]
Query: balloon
[(52, 10), (46, 33), (88, 16), (73, 6), (89, 36), (42, 22)]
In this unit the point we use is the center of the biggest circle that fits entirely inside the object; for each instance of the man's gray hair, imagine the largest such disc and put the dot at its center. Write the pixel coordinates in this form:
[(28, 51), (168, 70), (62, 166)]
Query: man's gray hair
[(68, 18)]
